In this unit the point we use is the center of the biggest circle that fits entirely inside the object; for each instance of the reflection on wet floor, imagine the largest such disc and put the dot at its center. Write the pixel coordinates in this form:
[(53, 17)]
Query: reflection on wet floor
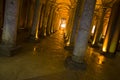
[(45, 61)]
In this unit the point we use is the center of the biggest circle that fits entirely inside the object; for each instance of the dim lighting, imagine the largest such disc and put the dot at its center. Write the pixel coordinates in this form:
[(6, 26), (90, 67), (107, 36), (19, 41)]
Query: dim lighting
[(93, 29), (34, 50)]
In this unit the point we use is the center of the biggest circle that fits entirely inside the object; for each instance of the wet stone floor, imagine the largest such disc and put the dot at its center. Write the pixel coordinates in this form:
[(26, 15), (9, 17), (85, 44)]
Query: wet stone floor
[(45, 61)]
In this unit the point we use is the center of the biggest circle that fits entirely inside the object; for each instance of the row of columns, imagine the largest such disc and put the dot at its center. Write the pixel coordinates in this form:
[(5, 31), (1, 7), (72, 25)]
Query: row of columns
[(111, 37), (41, 19), (113, 31), (84, 27)]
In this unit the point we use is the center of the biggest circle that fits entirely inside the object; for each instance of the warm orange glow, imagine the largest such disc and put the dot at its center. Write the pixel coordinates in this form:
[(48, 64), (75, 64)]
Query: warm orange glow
[(101, 59), (68, 43), (93, 42), (104, 49), (93, 29), (63, 25), (34, 50), (36, 35)]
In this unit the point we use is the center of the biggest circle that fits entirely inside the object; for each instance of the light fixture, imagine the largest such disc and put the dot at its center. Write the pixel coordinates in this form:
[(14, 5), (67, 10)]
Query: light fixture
[(63, 25)]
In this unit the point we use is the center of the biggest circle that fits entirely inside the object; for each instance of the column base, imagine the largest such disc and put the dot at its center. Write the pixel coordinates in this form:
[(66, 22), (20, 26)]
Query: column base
[(71, 64), (108, 54), (95, 46), (33, 39), (69, 47), (6, 50)]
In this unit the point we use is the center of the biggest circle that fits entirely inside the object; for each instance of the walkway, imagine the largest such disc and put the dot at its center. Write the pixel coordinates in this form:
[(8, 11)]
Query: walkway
[(45, 61)]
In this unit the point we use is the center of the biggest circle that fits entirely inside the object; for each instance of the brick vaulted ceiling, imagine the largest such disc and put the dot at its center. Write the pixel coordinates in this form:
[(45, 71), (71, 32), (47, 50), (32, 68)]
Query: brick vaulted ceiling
[(64, 6)]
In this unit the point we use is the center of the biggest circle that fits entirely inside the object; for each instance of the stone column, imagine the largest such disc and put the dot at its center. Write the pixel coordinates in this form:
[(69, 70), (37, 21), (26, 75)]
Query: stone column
[(84, 30), (1, 12), (53, 21), (69, 27), (36, 19), (45, 19), (50, 20), (56, 26), (115, 34), (115, 38), (9, 34), (110, 29), (42, 20), (99, 27), (75, 22)]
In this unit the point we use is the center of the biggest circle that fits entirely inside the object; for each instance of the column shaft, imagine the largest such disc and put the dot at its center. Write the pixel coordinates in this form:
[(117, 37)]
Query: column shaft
[(115, 33), (110, 29), (45, 19), (8, 43), (76, 21), (10, 22), (36, 19), (49, 21), (84, 30), (99, 28)]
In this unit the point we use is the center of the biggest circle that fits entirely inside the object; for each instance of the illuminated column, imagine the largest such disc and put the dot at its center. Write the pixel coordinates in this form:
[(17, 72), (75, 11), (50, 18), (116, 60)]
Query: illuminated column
[(53, 21), (55, 27), (110, 29), (75, 22), (45, 19), (50, 20), (41, 28), (9, 34), (99, 27), (36, 20), (115, 35), (70, 26), (84, 30)]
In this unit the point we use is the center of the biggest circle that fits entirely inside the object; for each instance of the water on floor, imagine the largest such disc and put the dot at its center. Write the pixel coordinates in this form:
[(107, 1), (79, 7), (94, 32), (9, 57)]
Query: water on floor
[(45, 61)]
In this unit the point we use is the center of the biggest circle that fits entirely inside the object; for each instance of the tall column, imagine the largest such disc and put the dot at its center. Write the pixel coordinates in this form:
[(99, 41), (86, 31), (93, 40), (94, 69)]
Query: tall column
[(70, 26), (41, 29), (36, 19), (30, 13), (84, 30), (110, 29), (10, 27), (76, 21), (99, 27), (53, 20), (56, 26), (45, 19), (1, 12), (49, 21), (115, 35)]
